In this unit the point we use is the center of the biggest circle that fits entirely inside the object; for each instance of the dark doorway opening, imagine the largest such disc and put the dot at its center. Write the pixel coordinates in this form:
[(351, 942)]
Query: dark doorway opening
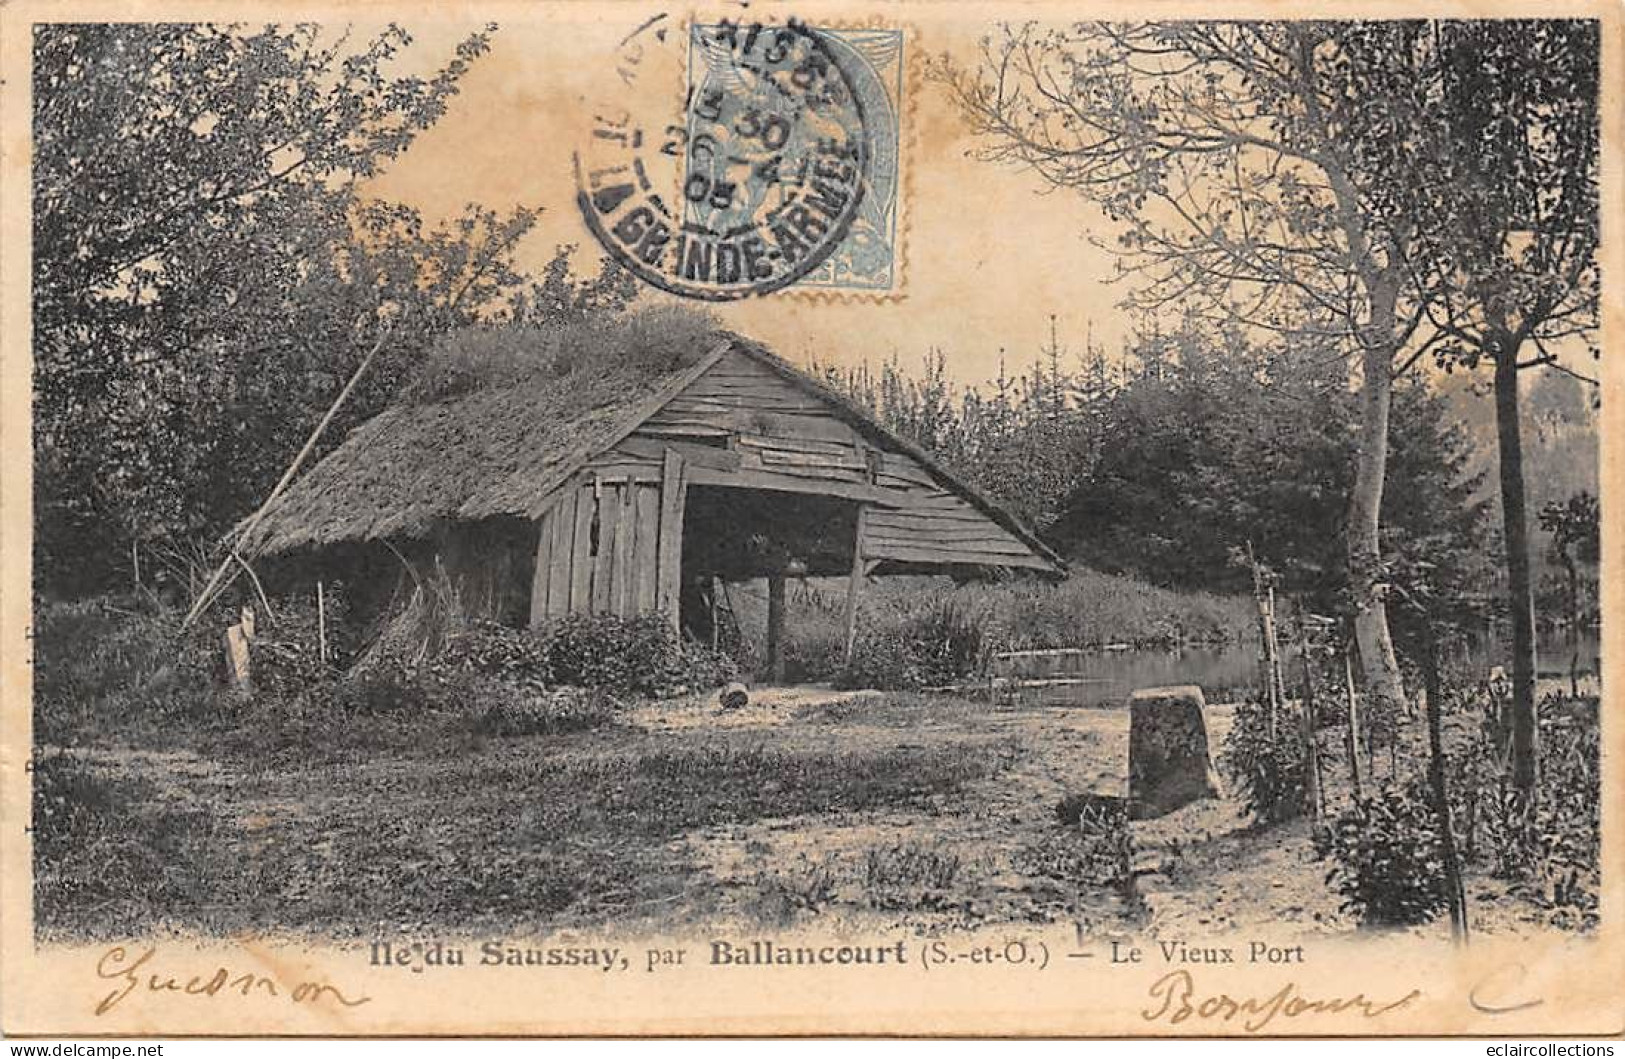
[(736, 535)]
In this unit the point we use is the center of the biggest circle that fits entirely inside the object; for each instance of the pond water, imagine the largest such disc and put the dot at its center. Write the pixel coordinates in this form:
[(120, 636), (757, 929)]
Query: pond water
[(1106, 678), (1226, 673), (1551, 653)]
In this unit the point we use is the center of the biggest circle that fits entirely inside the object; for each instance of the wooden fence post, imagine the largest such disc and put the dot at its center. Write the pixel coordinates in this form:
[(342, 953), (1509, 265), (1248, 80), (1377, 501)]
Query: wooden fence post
[(1268, 665), (855, 584), (1438, 785), (1311, 745)]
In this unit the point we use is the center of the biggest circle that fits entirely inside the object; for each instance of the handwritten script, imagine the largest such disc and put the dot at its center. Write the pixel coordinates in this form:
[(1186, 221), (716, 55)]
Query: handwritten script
[(1501, 985), (1179, 1000), (141, 973)]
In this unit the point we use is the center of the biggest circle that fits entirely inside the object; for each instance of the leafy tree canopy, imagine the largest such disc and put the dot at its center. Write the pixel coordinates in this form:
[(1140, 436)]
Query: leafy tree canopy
[(207, 273)]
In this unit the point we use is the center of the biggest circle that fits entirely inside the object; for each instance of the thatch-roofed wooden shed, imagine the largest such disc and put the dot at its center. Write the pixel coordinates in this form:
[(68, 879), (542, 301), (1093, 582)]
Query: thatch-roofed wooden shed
[(627, 491)]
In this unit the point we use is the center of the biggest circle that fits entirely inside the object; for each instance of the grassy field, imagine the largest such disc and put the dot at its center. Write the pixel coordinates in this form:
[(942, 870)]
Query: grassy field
[(807, 806), (483, 801), (509, 832), (810, 807), (1089, 609)]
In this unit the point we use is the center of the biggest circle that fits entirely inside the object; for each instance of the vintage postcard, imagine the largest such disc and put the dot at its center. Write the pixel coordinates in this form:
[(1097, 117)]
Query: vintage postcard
[(827, 518)]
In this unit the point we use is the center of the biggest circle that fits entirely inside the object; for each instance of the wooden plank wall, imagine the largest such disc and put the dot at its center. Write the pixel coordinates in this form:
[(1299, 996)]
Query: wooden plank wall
[(949, 531), (775, 435), (597, 549)]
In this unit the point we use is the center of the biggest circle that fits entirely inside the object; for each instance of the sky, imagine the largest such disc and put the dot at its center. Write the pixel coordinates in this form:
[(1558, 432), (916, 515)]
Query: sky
[(989, 254)]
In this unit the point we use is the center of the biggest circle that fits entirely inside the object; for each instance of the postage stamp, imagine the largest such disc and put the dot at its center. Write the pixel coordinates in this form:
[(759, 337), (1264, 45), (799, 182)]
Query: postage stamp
[(868, 258), (857, 517), (760, 178)]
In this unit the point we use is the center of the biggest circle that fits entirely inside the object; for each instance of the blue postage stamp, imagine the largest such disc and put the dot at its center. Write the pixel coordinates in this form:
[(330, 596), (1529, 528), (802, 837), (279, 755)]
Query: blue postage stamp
[(868, 256)]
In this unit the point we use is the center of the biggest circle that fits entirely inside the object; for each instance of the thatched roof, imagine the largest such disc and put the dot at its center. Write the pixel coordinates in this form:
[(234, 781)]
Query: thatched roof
[(502, 449), (495, 451)]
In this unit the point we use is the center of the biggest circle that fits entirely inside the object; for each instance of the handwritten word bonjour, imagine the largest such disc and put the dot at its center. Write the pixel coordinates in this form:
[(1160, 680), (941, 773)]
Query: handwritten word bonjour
[(1180, 1001), (116, 965)]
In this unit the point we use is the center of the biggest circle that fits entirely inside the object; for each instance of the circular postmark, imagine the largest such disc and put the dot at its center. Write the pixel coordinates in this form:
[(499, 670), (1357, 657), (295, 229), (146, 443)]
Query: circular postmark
[(744, 184)]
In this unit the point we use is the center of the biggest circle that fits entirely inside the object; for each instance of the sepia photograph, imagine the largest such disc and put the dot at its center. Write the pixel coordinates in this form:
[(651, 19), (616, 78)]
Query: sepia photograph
[(838, 519)]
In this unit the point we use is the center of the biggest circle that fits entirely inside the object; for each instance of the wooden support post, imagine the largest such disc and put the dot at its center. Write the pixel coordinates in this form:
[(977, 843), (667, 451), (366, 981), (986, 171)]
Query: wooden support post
[(855, 585), (668, 571), (1276, 678), (775, 628)]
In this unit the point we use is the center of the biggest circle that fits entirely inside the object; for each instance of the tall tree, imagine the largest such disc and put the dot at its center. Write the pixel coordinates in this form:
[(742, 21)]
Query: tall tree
[(1223, 445), (1494, 126), (1523, 111), (1218, 149), (205, 276)]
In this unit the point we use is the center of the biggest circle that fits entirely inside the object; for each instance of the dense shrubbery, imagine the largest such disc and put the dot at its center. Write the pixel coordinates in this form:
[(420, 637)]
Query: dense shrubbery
[(127, 672), (509, 710), (632, 656), (488, 680), (1553, 853), (1388, 858), (1269, 772), (941, 644), (640, 655), (334, 715), (98, 662), (1568, 831), (495, 650)]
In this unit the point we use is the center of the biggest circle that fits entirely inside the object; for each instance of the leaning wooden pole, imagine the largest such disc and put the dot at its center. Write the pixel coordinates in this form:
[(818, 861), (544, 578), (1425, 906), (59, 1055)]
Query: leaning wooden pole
[(217, 580)]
